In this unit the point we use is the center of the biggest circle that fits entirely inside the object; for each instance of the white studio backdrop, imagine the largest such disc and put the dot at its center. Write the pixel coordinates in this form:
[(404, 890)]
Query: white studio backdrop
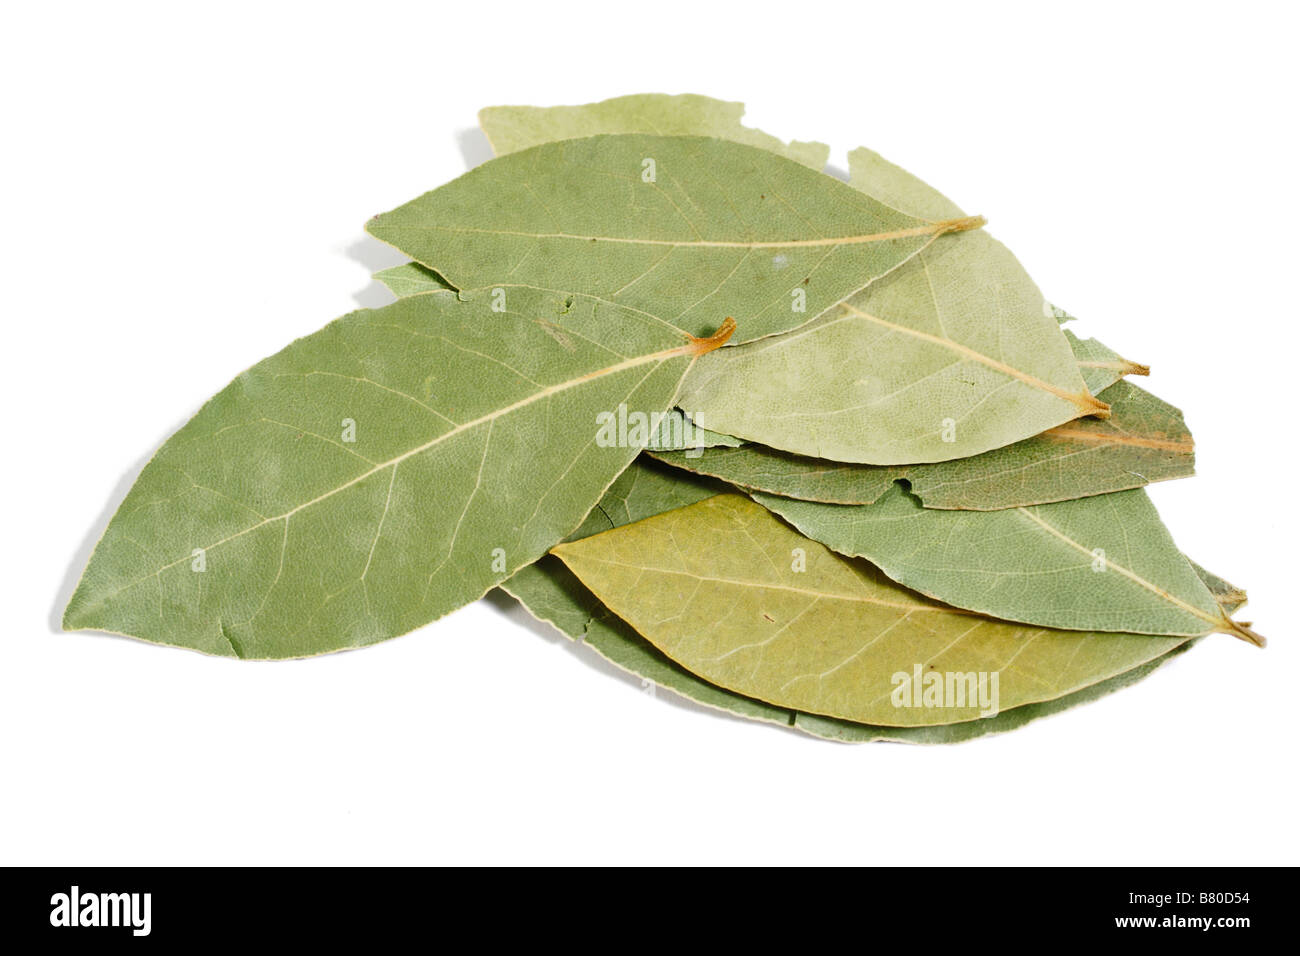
[(184, 190)]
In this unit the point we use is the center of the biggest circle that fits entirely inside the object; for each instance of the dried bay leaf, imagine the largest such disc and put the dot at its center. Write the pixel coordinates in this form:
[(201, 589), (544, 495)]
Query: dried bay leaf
[(714, 587), (688, 229), (1100, 366), (512, 128), (950, 356), (869, 171), (1102, 563), (378, 474), (947, 357), (552, 593), (1145, 440)]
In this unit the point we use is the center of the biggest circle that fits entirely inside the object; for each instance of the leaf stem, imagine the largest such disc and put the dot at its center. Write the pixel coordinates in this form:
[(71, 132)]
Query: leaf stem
[(1242, 631), (716, 340)]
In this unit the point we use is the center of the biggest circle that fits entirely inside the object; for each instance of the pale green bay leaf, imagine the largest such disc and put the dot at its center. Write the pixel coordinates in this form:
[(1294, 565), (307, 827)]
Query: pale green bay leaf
[(869, 171), (952, 355), (1100, 366), (1145, 440), (715, 587), (947, 357), (512, 128), (377, 474), (1102, 563), (723, 229)]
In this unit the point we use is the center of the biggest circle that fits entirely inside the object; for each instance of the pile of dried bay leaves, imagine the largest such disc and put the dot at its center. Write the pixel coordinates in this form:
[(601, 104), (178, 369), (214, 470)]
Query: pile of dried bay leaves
[(812, 452)]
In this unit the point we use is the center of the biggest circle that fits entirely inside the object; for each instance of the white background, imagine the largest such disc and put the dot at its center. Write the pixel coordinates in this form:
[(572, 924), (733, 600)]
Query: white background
[(184, 189)]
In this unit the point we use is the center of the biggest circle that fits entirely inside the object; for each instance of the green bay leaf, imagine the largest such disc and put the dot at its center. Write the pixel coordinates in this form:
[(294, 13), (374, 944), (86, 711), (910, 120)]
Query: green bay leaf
[(512, 128), (1101, 563), (717, 587), (1100, 366), (1145, 440), (689, 229), (378, 474)]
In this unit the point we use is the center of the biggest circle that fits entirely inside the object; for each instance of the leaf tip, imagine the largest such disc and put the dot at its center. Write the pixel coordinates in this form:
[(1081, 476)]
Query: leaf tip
[(72, 620), (699, 346), (1133, 368)]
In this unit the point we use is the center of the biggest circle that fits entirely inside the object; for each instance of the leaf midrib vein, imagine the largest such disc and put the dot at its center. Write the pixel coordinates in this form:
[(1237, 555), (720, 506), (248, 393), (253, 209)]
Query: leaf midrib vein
[(929, 229), (1126, 572), (788, 588), (1080, 400)]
